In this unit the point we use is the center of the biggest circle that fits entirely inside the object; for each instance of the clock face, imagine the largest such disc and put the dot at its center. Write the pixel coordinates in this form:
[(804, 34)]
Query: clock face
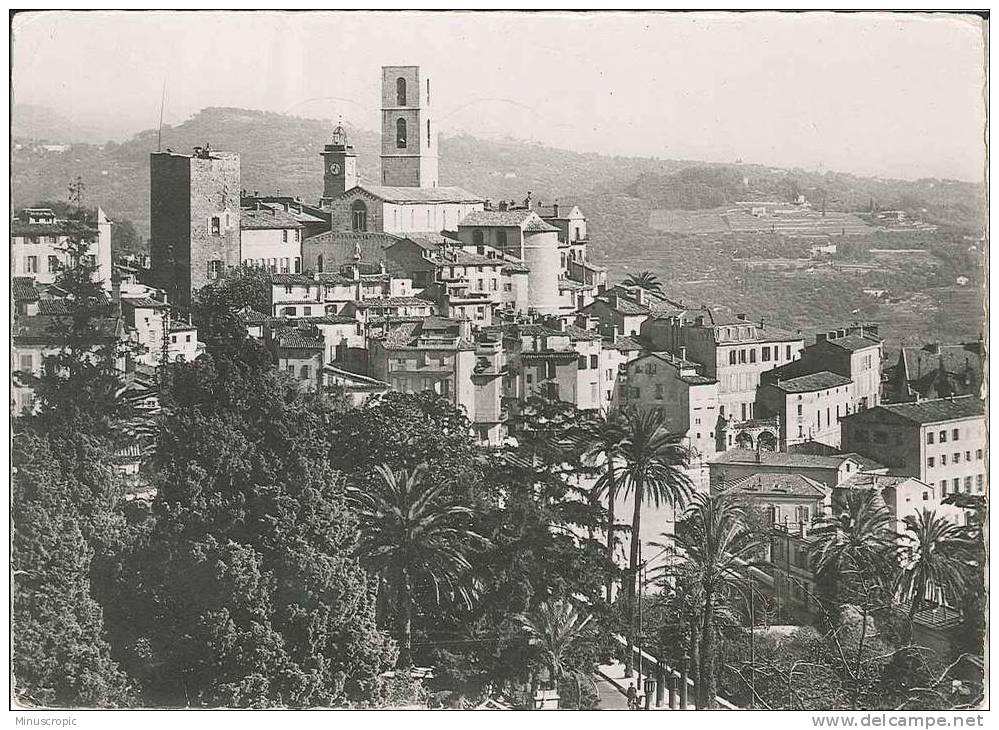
[(335, 168)]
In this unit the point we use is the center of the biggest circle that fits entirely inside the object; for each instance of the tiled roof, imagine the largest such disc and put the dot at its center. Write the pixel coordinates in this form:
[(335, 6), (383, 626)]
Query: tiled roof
[(852, 343), (332, 278), (53, 306), (920, 361), (22, 289), (269, 218), (515, 267), (779, 458), (578, 333), (926, 411), (624, 344), (776, 483), (464, 258), (626, 306), (400, 335), (252, 316), (328, 319), (45, 329), (181, 326), (539, 226), (391, 302), (813, 382), (392, 194), (697, 379), (144, 303), (875, 481), (570, 285), (548, 211), (293, 339), (498, 218), (294, 279)]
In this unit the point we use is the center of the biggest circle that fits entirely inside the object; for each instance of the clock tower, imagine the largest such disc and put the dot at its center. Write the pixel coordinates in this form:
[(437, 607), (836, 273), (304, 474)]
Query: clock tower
[(339, 167)]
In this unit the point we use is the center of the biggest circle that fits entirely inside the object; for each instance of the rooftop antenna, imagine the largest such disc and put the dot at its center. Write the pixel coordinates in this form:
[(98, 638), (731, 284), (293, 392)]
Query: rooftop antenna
[(159, 131)]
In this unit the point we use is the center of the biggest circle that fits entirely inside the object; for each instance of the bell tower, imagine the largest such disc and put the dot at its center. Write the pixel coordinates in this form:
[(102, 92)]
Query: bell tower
[(339, 166), (409, 137)]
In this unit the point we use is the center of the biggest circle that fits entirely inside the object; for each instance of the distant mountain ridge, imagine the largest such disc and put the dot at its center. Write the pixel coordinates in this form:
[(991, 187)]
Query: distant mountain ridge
[(280, 153)]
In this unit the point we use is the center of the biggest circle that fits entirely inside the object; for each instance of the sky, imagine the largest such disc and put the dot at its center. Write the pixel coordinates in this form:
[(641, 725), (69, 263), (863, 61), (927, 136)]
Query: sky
[(891, 94)]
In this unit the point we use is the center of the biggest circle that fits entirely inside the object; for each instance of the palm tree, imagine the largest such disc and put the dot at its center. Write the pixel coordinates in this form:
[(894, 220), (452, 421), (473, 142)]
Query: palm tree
[(853, 545), (933, 558), (604, 434), (645, 280), (650, 467), (717, 547), (559, 630), (854, 553), (415, 539)]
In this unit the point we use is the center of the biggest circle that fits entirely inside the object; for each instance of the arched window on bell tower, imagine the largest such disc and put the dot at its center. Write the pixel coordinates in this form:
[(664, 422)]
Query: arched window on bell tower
[(400, 133), (319, 263), (400, 91)]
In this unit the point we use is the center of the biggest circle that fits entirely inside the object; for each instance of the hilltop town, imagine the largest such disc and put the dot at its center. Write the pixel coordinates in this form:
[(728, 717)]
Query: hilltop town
[(413, 290)]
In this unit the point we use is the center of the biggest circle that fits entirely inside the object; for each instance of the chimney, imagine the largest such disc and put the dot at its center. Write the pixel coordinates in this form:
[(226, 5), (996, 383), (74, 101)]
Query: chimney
[(555, 209), (762, 323), (527, 200), (640, 295), (612, 300), (502, 205), (683, 353), (615, 335)]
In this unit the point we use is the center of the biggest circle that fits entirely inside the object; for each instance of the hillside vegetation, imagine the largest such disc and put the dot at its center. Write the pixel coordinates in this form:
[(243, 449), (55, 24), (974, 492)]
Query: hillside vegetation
[(280, 154)]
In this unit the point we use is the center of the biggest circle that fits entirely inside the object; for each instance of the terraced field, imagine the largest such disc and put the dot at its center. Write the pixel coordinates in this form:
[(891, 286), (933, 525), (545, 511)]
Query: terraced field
[(736, 220)]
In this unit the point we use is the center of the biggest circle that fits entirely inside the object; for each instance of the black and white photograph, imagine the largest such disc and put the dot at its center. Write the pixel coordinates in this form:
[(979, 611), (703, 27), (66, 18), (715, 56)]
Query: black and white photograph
[(443, 360)]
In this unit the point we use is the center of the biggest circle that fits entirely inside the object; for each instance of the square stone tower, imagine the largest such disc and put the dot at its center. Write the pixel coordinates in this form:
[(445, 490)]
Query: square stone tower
[(194, 219), (409, 138)]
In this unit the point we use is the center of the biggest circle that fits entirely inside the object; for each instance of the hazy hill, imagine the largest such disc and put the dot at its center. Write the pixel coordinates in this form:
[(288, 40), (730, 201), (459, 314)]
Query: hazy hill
[(281, 154), (43, 125)]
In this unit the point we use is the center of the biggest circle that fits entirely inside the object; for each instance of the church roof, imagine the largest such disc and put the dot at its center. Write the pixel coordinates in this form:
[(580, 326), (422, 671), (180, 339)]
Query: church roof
[(399, 194), (522, 218)]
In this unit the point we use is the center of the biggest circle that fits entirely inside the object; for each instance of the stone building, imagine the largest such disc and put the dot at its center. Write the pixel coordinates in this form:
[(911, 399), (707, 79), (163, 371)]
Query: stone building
[(941, 442), (38, 241), (271, 239), (675, 386), (808, 407), (936, 371), (194, 219), (409, 138)]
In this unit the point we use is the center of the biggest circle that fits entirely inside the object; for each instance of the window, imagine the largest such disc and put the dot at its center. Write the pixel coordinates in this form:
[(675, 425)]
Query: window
[(742, 356), (957, 457), (53, 264), (27, 363), (765, 354), (955, 434), (943, 487), (359, 216), (594, 361), (291, 370), (967, 456), (636, 393), (930, 462), (298, 265), (216, 226), (187, 338), (400, 133), (477, 237), (508, 287), (501, 238), (287, 289), (428, 133), (651, 368), (304, 372), (428, 92), (800, 410), (788, 352), (731, 357), (550, 370), (214, 269), (31, 265), (752, 355), (493, 284), (929, 437), (957, 484), (400, 91), (307, 311), (943, 437), (978, 453), (926, 496), (659, 391), (979, 483), (943, 459), (967, 485), (582, 362), (319, 263), (284, 265)]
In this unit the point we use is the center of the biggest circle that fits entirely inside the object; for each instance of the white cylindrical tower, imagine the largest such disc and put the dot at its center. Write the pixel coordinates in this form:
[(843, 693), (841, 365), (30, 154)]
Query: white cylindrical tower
[(542, 259)]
